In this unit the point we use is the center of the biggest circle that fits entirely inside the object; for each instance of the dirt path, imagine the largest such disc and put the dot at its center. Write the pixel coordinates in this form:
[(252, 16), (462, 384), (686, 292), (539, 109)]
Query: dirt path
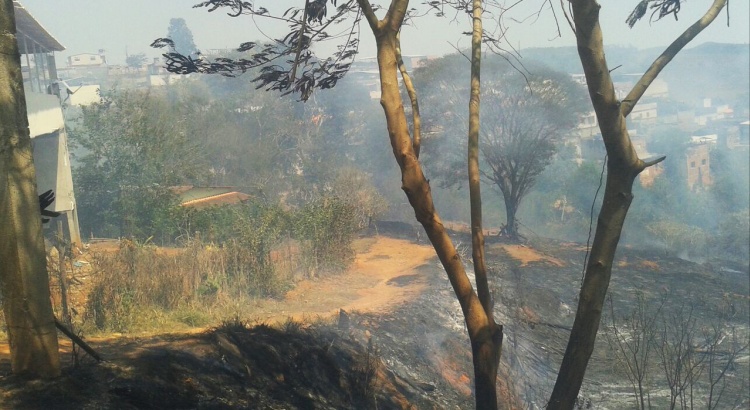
[(380, 278)]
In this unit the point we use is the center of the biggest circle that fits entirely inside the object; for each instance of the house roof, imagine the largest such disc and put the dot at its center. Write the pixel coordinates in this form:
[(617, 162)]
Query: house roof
[(229, 198), (31, 33), (200, 197)]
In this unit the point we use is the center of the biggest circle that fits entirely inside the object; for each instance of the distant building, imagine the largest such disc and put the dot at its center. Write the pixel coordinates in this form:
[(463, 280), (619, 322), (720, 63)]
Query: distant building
[(698, 166), (709, 112), (158, 76), (644, 112), (657, 89), (87, 60), (592, 149), (587, 126), (648, 175), (704, 139)]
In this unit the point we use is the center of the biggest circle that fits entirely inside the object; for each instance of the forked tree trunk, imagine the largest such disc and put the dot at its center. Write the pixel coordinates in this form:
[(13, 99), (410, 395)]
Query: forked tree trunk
[(485, 336), (23, 270), (622, 169)]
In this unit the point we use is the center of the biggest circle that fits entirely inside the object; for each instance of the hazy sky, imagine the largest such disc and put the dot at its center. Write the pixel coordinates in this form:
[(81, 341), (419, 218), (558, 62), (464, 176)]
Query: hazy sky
[(85, 26)]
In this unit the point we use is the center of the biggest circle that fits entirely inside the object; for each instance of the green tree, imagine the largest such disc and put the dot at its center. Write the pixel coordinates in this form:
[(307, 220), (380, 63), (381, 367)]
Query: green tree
[(23, 272), (180, 33), (135, 60), (733, 238), (134, 146)]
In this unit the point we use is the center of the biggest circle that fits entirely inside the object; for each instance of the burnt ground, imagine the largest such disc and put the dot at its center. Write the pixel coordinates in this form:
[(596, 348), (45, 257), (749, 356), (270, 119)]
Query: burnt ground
[(538, 301), (334, 363), (412, 355), (295, 366)]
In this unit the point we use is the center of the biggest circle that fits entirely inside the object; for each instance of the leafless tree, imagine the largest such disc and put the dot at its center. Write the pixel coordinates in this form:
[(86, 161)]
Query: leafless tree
[(633, 340), (694, 359), (623, 166), (720, 360), (676, 348)]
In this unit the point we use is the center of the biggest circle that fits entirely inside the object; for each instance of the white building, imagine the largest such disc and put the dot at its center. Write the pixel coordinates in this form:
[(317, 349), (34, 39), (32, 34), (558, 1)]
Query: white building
[(46, 122), (87, 60), (644, 112)]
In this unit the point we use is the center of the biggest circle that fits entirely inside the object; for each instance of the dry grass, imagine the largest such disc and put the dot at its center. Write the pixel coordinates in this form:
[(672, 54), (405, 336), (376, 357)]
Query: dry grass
[(138, 288)]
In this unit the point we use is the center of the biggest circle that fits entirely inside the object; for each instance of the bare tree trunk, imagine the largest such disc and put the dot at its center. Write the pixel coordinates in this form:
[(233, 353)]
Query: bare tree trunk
[(623, 167), (511, 225), (23, 271), (485, 336), (486, 354)]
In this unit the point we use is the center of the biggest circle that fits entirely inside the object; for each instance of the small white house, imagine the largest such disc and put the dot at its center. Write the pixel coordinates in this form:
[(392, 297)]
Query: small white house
[(87, 60)]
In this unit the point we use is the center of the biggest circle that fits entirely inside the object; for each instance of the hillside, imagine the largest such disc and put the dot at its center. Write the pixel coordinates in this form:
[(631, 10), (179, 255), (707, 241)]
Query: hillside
[(401, 342)]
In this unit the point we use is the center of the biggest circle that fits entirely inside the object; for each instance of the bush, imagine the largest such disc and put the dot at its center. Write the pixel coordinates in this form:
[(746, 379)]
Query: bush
[(326, 227), (733, 237)]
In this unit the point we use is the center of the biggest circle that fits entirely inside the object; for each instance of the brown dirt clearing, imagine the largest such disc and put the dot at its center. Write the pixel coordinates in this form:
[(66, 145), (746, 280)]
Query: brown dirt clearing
[(381, 277), (527, 255)]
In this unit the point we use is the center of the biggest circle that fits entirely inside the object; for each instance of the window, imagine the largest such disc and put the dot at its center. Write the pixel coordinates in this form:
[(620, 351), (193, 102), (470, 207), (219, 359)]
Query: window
[(92, 58), (76, 58), (703, 161), (692, 164)]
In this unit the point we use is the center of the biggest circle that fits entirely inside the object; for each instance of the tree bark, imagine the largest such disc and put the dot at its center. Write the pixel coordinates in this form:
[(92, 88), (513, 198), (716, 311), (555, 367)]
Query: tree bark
[(23, 271), (485, 353), (485, 337), (622, 169), (511, 206)]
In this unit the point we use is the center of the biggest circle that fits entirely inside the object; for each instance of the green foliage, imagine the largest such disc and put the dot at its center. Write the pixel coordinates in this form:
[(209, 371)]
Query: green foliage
[(131, 148), (733, 236), (560, 205), (677, 237), (182, 37), (136, 60), (327, 227)]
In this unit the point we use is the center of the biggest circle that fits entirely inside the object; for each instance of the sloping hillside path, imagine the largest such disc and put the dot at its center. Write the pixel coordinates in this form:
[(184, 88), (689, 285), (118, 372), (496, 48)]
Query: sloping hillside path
[(382, 276)]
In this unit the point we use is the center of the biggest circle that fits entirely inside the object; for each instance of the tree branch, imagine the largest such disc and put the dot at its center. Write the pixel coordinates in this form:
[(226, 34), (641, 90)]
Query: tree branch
[(678, 44), (396, 14), (416, 118), (653, 162), (369, 13), (299, 43)]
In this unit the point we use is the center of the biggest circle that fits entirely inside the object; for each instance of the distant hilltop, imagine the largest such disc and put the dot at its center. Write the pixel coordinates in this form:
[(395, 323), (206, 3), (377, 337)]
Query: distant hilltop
[(716, 70)]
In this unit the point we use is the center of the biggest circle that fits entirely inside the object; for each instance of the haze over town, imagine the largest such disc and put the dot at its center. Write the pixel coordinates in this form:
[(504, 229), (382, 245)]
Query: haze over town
[(301, 225), (86, 26)]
